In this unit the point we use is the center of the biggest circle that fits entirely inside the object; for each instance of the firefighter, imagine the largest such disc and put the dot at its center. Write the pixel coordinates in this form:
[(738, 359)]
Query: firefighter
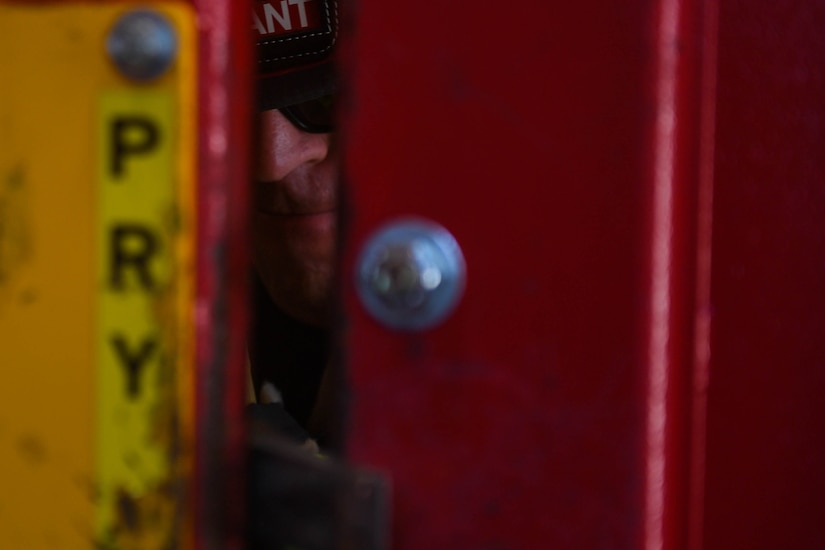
[(294, 216)]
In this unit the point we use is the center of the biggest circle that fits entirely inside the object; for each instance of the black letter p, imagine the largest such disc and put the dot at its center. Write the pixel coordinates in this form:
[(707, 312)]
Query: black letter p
[(131, 135)]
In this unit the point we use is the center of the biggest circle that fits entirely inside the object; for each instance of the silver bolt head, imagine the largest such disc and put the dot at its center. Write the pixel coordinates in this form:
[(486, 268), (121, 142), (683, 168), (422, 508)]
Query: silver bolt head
[(142, 44), (411, 274), (404, 274)]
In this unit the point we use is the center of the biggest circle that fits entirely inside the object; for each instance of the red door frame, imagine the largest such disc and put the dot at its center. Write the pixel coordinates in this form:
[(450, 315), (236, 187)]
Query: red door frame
[(226, 71)]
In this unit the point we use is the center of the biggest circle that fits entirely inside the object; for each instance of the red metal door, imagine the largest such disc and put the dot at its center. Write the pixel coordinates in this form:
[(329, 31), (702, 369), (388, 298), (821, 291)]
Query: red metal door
[(622, 218)]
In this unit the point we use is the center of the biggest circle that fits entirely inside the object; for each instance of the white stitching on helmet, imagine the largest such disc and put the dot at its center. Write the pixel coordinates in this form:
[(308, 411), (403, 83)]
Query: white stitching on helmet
[(334, 28)]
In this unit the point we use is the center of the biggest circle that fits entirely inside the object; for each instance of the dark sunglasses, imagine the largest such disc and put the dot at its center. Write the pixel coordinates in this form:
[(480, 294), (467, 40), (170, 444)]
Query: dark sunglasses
[(316, 116)]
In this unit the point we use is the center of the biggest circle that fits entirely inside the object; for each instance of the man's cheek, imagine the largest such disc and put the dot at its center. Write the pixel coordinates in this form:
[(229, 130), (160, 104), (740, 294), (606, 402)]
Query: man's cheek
[(303, 238)]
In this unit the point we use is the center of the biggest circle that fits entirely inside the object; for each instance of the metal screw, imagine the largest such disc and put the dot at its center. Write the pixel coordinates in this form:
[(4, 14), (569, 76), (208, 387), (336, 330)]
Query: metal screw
[(142, 44), (411, 274)]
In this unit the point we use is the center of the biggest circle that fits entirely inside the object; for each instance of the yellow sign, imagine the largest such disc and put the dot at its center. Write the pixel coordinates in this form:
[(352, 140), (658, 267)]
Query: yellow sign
[(96, 283)]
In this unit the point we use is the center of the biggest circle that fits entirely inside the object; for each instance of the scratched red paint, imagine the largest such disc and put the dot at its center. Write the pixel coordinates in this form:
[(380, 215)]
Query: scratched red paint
[(225, 70)]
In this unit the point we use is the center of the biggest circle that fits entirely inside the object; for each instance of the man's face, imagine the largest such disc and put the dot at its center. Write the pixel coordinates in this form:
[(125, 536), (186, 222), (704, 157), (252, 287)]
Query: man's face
[(294, 217)]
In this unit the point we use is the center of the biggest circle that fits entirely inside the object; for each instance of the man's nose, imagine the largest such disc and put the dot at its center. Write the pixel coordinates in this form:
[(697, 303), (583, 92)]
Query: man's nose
[(285, 148)]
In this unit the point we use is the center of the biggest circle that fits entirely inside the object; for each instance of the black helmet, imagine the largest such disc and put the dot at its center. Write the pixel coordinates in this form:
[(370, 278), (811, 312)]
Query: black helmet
[(296, 39)]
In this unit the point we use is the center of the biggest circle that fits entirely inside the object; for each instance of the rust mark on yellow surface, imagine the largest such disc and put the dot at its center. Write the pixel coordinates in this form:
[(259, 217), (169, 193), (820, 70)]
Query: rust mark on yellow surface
[(144, 521), (15, 230), (32, 449)]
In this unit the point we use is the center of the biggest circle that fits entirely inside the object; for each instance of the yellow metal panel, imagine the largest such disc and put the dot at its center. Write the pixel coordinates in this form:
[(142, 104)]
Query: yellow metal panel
[(83, 460)]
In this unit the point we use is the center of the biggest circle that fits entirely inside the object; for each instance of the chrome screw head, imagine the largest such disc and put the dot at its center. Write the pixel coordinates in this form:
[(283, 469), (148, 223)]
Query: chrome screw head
[(411, 274), (142, 44)]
